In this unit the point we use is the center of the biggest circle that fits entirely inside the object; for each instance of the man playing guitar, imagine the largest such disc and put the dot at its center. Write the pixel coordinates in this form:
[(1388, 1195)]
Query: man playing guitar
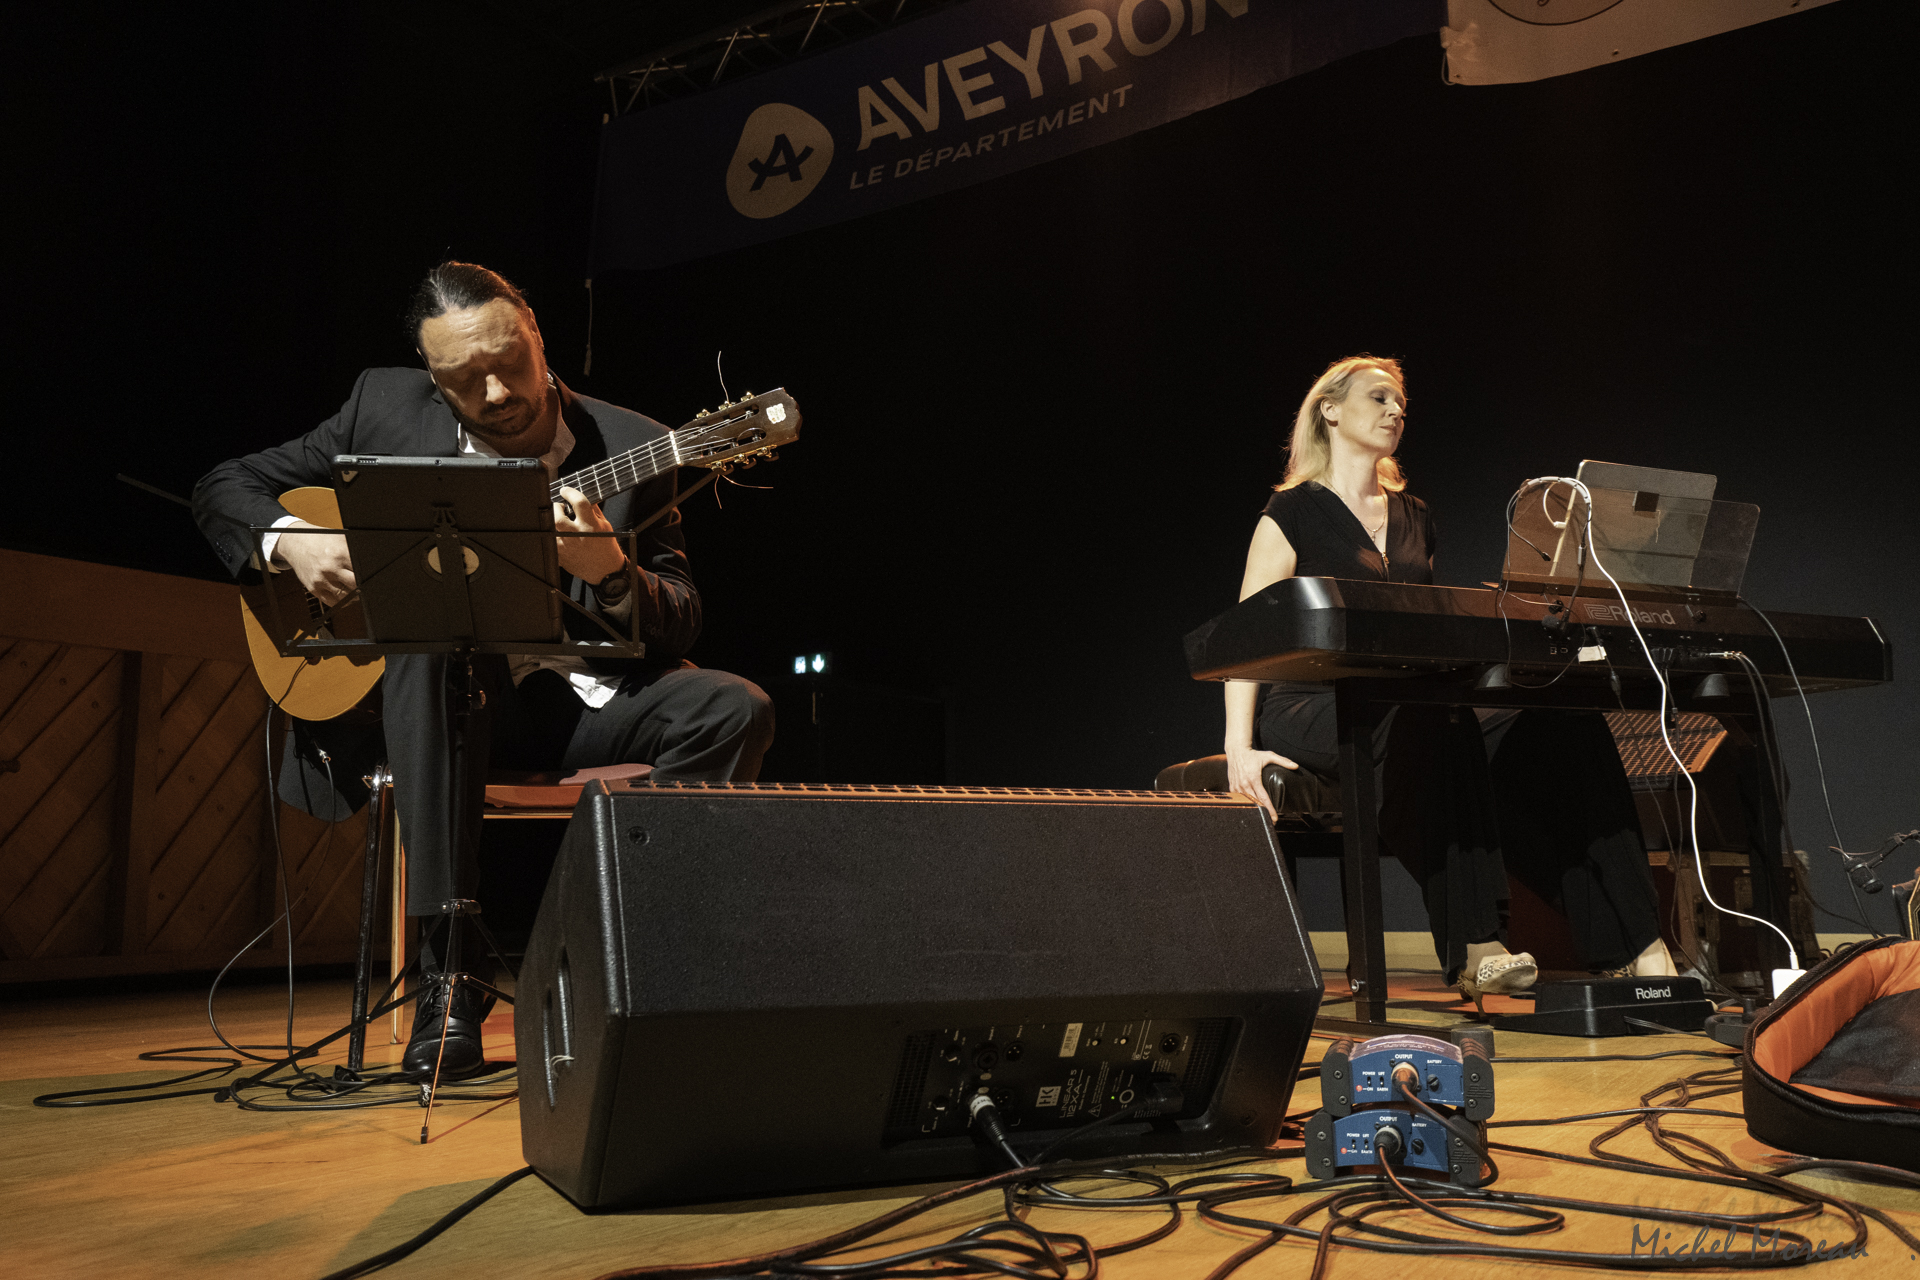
[(487, 391)]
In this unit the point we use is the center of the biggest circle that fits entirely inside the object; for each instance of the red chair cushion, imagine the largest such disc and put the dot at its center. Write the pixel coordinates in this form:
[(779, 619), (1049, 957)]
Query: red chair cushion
[(553, 790)]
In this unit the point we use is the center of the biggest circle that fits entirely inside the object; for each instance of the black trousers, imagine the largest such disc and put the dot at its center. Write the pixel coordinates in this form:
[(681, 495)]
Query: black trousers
[(1570, 831), (444, 730), (1466, 798)]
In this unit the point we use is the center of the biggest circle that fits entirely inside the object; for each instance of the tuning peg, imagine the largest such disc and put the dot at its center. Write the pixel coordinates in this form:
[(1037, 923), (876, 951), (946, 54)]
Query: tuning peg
[(747, 462), (773, 455), (745, 396)]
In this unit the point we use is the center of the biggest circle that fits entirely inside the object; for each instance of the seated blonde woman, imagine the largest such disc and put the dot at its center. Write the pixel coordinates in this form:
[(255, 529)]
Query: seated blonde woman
[(1546, 786)]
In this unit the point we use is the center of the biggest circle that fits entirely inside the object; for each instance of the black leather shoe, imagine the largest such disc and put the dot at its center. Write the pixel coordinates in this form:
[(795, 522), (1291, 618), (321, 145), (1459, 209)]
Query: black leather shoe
[(462, 1055)]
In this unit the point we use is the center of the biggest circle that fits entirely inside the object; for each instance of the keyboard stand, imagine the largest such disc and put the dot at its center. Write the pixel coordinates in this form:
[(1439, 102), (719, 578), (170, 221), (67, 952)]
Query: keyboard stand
[(1361, 702)]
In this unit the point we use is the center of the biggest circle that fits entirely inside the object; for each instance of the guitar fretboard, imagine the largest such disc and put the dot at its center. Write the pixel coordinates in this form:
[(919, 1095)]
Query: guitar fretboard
[(711, 440), (616, 475)]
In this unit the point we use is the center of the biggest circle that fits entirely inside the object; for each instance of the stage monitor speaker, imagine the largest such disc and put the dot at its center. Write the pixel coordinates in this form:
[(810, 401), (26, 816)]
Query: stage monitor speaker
[(738, 989)]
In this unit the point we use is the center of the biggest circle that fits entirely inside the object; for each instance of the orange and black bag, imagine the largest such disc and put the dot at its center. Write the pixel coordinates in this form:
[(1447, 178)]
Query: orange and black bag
[(1832, 1068)]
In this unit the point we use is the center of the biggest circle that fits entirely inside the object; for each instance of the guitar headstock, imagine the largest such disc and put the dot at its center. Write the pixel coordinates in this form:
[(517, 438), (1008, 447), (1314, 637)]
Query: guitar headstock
[(740, 432)]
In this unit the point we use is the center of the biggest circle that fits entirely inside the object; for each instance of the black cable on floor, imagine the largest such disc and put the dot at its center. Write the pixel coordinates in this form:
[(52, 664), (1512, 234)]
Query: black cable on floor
[(305, 1090), (98, 1098), (1629, 1057), (367, 1266), (1009, 1246)]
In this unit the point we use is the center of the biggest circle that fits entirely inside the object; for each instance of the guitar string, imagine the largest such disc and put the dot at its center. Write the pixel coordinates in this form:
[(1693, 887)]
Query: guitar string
[(590, 480), (609, 471), (631, 460)]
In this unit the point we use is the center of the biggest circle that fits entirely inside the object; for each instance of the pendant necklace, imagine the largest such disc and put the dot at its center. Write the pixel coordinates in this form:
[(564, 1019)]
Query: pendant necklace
[(1373, 536)]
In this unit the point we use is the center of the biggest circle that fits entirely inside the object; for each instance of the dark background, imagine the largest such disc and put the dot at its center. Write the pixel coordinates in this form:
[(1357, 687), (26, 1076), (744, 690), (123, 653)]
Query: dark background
[(1042, 413)]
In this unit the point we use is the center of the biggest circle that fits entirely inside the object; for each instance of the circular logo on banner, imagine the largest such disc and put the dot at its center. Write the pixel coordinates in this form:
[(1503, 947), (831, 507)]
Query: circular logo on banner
[(782, 155), (1553, 13)]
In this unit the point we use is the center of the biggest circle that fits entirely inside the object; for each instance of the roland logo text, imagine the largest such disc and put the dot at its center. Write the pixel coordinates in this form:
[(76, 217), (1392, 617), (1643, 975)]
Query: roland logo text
[(1604, 613)]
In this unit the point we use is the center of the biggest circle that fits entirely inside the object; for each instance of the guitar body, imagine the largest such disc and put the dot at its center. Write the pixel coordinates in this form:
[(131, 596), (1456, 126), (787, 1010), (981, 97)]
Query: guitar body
[(309, 688)]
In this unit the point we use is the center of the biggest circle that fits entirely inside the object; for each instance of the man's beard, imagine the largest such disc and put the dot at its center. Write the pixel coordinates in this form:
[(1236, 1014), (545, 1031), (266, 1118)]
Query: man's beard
[(501, 433)]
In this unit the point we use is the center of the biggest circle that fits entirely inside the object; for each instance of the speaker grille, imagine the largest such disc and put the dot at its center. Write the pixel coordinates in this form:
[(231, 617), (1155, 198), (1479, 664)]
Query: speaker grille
[(1203, 1064), (903, 1113)]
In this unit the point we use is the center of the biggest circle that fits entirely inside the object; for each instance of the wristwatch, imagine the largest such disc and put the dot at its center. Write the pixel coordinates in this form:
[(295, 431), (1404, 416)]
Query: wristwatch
[(613, 588)]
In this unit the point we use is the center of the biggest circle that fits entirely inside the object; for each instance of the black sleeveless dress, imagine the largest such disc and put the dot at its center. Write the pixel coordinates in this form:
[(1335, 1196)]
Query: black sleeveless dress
[(1554, 788), (1329, 541)]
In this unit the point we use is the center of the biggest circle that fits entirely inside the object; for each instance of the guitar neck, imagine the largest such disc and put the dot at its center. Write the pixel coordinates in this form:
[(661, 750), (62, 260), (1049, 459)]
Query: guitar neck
[(627, 471), (738, 433)]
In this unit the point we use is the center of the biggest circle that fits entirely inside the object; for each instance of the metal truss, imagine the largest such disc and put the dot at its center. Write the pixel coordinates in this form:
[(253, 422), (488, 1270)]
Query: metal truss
[(771, 38)]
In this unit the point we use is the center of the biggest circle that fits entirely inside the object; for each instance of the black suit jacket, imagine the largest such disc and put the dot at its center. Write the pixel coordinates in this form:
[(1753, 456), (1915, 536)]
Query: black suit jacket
[(401, 412)]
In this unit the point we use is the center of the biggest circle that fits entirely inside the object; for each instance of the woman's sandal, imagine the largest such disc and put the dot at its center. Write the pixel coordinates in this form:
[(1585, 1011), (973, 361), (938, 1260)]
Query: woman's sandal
[(1661, 966), (1498, 975)]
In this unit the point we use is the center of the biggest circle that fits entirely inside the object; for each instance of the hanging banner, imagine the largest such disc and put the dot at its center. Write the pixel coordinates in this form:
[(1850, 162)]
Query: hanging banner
[(1511, 41), (956, 98)]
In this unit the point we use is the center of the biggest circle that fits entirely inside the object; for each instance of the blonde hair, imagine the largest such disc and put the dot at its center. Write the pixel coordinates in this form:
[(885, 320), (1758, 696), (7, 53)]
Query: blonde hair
[(1309, 455)]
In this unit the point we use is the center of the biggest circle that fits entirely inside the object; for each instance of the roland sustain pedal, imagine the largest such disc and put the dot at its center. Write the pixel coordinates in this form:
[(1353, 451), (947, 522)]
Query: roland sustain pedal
[(1597, 1007)]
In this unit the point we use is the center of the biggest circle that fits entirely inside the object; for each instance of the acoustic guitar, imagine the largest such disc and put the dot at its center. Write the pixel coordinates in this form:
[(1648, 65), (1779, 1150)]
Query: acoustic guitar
[(737, 434)]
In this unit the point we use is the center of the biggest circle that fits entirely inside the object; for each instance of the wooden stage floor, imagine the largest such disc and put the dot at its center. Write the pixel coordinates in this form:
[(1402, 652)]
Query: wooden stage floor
[(191, 1187)]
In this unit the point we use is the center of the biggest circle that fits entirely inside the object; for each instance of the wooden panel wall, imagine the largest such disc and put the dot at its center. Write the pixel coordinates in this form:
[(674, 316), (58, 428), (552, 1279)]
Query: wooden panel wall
[(135, 834)]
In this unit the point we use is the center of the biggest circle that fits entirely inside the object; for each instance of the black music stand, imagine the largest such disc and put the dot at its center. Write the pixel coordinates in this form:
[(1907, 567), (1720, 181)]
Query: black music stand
[(409, 518)]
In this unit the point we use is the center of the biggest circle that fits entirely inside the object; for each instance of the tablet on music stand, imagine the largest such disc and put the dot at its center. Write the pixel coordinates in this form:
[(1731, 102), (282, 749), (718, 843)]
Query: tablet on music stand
[(1654, 530), (406, 518)]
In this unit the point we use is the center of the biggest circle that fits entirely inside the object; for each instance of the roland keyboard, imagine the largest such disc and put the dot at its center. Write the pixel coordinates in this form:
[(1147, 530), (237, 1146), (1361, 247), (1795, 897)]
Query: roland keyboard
[(1332, 628)]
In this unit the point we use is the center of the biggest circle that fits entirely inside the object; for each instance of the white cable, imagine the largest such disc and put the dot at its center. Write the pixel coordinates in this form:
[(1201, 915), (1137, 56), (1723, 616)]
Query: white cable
[(1558, 524), (1693, 788)]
